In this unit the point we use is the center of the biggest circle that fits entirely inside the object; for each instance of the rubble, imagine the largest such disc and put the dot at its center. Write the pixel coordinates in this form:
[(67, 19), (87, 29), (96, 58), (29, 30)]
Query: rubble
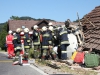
[(61, 67)]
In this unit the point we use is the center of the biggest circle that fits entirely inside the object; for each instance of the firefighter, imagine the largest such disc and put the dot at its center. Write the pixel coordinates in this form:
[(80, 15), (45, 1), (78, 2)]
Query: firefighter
[(51, 42), (63, 37), (57, 41), (67, 23), (36, 41), (9, 43), (54, 32), (17, 44), (26, 43), (46, 38)]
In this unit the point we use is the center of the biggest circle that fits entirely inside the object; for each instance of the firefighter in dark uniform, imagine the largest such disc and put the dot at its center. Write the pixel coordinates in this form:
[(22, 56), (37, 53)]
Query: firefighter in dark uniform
[(26, 43), (17, 44), (45, 42), (63, 37), (36, 41), (51, 42), (53, 33)]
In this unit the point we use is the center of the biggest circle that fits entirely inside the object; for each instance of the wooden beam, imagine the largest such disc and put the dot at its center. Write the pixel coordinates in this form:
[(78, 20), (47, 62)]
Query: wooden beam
[(89, 21)]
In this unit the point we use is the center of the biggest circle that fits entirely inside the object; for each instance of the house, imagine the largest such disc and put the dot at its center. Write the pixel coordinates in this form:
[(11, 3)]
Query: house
[(91, 26), (14, 24)]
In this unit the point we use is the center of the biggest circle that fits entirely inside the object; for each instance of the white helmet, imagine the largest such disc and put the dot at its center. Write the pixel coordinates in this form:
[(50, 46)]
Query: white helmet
[(22, 33), (10, 32), (26, 30), (18, 30), (14, 33), (44, 28), (35, 27), (50, 24), (51, 28)]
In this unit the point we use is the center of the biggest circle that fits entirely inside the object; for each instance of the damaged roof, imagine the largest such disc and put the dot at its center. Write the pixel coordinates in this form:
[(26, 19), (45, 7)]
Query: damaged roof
[(91, 28)]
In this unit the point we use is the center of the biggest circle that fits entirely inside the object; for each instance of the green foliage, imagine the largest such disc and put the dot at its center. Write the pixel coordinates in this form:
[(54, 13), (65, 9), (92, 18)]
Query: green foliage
[(1, 26), (14, 18), (76, 20), (31, 53), (3, 34), (26, 18)]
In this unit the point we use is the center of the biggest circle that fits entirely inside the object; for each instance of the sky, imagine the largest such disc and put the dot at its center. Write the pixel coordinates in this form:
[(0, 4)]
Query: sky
[(58, 10)]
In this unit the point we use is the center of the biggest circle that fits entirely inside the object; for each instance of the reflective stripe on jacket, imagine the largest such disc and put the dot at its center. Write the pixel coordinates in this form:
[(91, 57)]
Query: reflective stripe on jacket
[(9, 39), (36, 38), (63, 36), (45, 39)]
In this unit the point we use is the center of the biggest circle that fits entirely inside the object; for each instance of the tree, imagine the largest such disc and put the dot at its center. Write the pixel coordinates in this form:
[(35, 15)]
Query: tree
[(14, 18), (3, 34), (1, 26), (26, 18)]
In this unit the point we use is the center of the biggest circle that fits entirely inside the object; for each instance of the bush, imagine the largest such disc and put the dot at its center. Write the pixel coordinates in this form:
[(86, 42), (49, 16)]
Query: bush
[(3, 34)]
